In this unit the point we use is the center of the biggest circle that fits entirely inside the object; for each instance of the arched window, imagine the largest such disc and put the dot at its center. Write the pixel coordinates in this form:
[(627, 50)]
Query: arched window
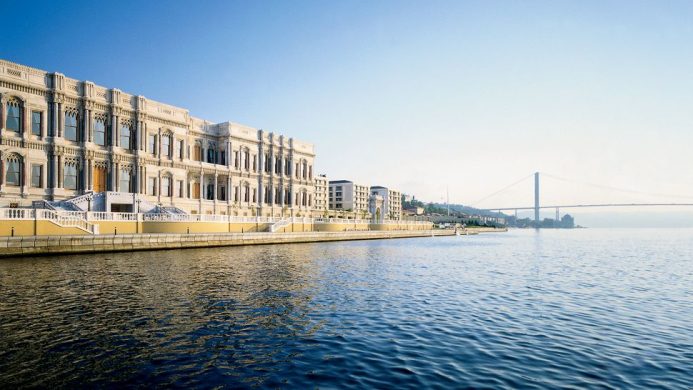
[(246, 193), (211, 153), (14, 116), (70, 176), (125, 136), (305, 169), (12, 174), (71, 125), (246, 157), (125, 180), (100, 131)]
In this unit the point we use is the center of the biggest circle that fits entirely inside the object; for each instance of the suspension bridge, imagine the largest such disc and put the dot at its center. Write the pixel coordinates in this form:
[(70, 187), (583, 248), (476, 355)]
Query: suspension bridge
[(537, 207)]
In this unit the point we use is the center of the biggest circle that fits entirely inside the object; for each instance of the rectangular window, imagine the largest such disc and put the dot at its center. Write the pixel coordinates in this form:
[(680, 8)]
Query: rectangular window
[(12, 173), (197, 153), (180, 188), (222, 157), (166, 145), (166, 186), (125, 137), (179, 149), (70, 177), (36, 175), (152, 144), (151, 185), (99, 132), (125, 181), (70, 126), (254, 163), (36, 122), (222, 193), (14, 118), (235, 160)]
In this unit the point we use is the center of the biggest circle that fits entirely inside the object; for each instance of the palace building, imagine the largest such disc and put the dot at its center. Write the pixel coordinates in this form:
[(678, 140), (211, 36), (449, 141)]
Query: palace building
[(76, 145)]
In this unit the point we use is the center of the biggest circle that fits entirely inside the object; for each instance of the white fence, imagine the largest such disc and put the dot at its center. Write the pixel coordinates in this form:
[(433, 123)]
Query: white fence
[(84, 219), (61, 218)]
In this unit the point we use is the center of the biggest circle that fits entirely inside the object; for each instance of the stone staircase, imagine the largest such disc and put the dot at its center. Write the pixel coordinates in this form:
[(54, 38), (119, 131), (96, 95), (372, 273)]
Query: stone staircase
[(279, 225)]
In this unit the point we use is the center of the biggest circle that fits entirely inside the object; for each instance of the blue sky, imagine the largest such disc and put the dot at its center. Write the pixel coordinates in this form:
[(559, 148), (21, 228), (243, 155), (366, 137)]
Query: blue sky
[(417, 95)]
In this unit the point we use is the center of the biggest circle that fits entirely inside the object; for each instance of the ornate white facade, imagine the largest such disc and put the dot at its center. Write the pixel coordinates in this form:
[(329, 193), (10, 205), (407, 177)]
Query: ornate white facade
[(61, 138)]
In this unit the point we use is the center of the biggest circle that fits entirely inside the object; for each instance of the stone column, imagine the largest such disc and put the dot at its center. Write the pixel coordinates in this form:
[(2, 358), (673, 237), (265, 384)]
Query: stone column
[(61, 120), (24, 167), (216, 191), (26, 121), (54, 119), (116, 177), (90, 126), (84, 170), (2, 173), (203, 187), (158, 144), (158, 186), (60, 172), (137, 173), (84, 136), (114, 130), (2, 112), (228, 190), (144, 180), (90, 175)]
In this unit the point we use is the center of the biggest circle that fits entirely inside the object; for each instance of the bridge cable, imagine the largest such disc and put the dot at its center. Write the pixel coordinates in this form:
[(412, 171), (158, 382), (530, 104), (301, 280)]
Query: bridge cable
[(501, 190), (615, 188)]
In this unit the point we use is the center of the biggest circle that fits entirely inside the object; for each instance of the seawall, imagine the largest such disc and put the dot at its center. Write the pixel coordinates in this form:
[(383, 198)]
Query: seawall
[(55, 245)]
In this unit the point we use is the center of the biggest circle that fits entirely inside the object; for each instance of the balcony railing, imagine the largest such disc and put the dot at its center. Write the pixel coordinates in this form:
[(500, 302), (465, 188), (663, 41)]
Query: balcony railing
[(85, 219)]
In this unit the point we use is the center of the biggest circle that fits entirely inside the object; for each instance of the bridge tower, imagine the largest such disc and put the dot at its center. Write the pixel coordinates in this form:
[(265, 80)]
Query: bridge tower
[(536, 197)]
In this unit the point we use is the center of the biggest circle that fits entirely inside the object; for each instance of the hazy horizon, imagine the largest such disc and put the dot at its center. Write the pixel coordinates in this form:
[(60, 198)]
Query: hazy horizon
[(422, 97)]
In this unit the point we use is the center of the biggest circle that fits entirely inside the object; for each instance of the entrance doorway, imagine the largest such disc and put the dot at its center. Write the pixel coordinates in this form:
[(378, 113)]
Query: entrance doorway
[(99, 179), (196, 191)]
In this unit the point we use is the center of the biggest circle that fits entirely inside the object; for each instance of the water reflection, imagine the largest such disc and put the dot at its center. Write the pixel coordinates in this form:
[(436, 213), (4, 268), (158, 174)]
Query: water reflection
[(510, 310)]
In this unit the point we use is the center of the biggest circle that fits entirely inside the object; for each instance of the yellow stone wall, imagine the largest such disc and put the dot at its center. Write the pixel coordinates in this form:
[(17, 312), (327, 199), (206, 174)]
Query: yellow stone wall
[(48, 228), (36, 228)]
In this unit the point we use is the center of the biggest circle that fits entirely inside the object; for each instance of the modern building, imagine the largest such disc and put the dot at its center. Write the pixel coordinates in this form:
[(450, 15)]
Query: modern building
[(391, 204), (345, 195), (321, 195), (62, 138)]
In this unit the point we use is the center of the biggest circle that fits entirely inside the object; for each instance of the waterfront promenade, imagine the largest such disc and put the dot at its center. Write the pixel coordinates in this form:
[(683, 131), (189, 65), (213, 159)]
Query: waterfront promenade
[(54, 245)]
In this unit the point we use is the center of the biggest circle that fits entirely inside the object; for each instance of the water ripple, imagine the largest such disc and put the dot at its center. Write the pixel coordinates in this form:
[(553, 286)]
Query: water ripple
[(536, 310)]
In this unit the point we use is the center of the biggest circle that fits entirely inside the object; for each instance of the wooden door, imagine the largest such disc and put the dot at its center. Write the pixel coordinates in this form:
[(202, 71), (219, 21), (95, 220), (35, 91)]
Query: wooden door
[(99, 179), (196, 190)]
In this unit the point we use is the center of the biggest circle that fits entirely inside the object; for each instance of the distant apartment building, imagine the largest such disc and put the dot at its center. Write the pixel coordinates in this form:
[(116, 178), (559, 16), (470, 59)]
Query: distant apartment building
[(321, 194), (348, 196), (62, 138), (391, 203)]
